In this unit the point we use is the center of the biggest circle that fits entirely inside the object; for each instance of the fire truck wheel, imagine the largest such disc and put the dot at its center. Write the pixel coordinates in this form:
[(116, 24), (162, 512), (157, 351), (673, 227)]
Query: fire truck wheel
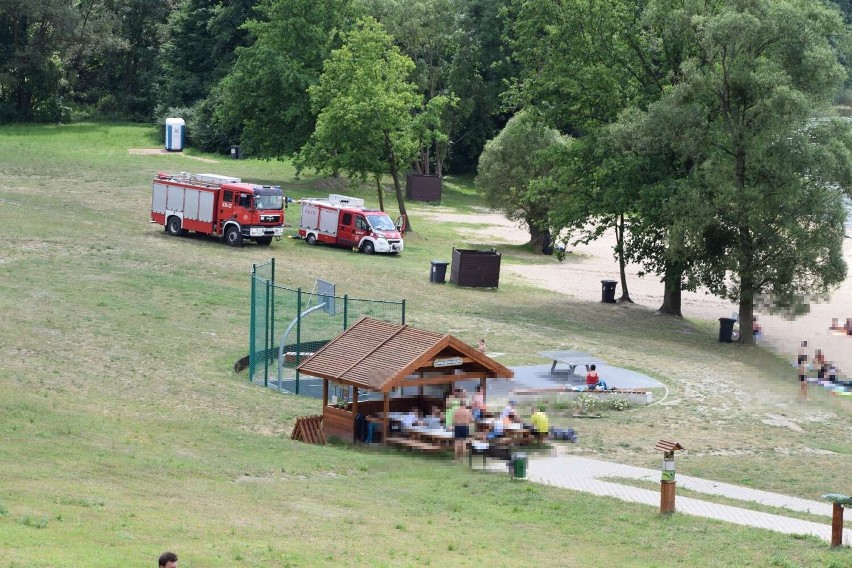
[(311, 239), (265, 241), (173, 226), (368, 248), (233, 236)]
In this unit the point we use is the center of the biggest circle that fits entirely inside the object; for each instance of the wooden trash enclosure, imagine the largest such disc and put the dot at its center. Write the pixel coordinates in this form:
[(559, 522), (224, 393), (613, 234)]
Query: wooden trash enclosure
[(378, 359), (422, 187), (309, 429), (475, 268)]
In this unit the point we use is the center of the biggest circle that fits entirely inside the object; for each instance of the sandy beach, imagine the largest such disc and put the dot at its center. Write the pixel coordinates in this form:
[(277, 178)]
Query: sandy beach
[(579, 275)]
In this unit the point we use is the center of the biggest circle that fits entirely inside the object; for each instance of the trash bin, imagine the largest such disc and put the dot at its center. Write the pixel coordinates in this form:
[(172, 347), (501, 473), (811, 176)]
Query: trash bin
[(236, 153), (438, 272), (726, 330), (519, 465), (608, 291)]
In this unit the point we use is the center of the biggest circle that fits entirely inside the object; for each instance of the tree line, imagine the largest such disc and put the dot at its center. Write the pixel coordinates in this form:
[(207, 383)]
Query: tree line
[(702, 133)]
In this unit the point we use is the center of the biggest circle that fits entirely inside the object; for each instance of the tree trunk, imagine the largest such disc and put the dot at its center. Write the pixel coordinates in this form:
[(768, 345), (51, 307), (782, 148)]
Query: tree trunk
[(394, 170), (538, 237), (746, 316), (619, 249), (672, 285), (380, 192)]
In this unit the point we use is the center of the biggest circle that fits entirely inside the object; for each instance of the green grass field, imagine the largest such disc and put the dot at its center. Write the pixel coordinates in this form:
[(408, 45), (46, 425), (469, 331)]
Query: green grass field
[(124, 431)]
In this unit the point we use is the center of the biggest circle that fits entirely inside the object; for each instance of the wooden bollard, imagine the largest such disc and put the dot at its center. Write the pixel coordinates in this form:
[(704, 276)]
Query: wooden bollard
[(667, 496), (667, 479), (839, 502), (837, 525)]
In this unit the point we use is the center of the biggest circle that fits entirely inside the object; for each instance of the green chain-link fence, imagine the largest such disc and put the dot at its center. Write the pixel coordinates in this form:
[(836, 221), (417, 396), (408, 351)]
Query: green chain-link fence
[(288, 324)]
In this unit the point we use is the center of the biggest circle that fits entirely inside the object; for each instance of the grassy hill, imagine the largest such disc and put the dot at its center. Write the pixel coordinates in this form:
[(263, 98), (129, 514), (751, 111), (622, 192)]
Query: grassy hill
[(124, 431)]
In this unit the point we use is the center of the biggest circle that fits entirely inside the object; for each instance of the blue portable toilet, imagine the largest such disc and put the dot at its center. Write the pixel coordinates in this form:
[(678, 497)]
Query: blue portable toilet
[(175, 134)]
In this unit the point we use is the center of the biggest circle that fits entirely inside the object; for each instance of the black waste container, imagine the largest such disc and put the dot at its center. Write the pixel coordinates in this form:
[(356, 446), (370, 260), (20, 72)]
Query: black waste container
[(236, 153), (438, 272), (608, 291), (726, 330)]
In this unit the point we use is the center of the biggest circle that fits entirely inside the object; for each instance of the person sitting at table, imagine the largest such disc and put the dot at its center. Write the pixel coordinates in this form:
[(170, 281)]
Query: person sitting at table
[(407, 420), (509, 409), (497, 428), (433, 421), (540, 424), (462, 418)]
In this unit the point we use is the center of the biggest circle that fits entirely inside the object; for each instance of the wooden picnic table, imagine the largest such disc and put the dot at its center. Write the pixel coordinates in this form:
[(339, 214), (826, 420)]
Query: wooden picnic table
[(571, 358)]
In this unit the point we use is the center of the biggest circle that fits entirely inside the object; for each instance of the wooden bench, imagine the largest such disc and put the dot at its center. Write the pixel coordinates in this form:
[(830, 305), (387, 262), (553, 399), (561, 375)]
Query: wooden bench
[(494, 450), (414, 444)]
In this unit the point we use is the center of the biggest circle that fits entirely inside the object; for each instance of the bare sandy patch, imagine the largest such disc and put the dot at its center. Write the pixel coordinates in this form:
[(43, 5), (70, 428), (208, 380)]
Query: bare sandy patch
[(162, 151), (580, 275)]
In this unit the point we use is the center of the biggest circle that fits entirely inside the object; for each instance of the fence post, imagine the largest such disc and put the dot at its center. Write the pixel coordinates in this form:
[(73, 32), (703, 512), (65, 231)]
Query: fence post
[(266, 337), (298, 334), (403, 311), (252, 323), (270, 347), (345, 312)]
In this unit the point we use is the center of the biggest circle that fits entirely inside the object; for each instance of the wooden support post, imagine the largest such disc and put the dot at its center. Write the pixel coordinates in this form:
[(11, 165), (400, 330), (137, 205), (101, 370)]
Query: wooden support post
[(482, 382), (667, 497), (324, 393), (837, 525), (386, 420), (355, 401)]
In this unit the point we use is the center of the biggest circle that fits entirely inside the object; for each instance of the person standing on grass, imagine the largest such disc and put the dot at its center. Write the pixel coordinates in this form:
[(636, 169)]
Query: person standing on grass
[(803, 380), (803, 353), (462, 418), (168, 560), (481, 346), (477, 403)]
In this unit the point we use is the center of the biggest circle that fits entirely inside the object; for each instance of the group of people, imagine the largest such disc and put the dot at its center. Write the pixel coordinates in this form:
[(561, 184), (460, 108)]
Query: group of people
[(463, 412), (846, 328), (825, 370)]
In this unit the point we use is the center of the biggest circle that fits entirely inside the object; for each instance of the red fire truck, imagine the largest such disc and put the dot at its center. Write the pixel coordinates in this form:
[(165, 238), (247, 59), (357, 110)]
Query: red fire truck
[(344, 220), (217, 205)]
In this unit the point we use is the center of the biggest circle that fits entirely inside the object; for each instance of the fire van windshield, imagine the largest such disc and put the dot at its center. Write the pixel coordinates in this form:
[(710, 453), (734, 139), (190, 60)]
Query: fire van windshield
[(381, 222), (268, 202)]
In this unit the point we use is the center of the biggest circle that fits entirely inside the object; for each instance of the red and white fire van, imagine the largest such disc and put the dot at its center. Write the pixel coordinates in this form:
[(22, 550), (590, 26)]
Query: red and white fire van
[(218, 205), (343, 220)]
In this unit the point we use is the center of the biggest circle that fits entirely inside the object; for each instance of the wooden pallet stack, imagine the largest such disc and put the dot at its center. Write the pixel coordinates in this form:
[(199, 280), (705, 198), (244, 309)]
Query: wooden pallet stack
[(309, 429)]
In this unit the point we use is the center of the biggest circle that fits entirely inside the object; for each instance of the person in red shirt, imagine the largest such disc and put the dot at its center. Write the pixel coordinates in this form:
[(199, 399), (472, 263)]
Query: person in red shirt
[(592, 379)]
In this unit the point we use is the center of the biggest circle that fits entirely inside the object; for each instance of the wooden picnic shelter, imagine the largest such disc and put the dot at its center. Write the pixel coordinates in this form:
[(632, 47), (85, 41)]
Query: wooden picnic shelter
[(399, 362)]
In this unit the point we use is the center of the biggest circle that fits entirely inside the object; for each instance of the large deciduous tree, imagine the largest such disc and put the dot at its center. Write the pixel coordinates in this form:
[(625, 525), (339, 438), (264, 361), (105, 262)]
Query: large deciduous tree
[(522, 153), (366, 109), (265, 96), (202, 39), (771, 166)]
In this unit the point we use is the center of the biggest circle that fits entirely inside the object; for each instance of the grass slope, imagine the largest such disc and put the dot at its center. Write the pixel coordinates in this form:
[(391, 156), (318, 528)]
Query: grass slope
[(124, 432)]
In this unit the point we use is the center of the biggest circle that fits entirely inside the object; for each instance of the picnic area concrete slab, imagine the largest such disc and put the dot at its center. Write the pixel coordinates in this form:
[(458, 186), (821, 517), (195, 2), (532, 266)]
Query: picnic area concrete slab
[(540, 377), (589, 475)]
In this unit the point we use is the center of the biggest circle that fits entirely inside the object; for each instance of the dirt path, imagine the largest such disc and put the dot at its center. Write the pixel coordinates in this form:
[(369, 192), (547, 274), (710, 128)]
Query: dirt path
[(580, 275)]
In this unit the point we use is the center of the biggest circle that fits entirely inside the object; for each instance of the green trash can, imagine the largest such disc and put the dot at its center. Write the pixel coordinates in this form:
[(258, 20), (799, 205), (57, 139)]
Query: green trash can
[(519, 466)]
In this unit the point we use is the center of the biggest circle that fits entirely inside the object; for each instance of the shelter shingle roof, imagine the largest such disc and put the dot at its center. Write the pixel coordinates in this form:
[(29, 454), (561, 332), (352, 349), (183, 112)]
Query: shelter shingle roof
[(374, 354)]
